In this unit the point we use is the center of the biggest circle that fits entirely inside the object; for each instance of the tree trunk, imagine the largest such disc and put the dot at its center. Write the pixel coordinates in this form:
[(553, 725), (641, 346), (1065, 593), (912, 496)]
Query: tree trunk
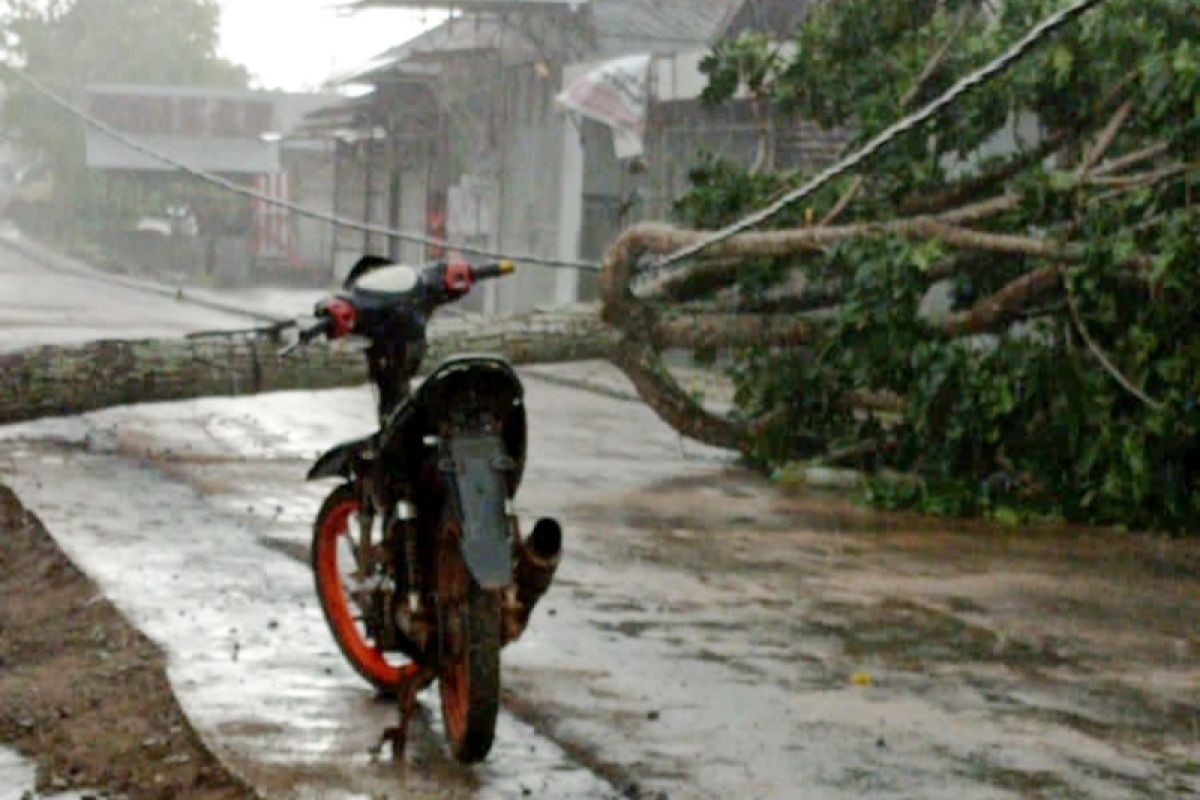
[(58, 381)]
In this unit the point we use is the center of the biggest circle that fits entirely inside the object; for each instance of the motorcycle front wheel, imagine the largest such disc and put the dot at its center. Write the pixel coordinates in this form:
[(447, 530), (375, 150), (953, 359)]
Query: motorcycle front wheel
[(469, 673), (335, 569)]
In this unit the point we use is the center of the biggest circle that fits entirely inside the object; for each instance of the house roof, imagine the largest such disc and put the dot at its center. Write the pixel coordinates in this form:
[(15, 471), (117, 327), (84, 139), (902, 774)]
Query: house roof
[(505, 6), (659, 26), (620, 27), (411, 60), (779, 17)]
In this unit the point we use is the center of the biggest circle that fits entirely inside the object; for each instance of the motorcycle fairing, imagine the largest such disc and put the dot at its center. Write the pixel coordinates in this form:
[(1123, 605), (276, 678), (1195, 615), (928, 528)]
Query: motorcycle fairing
[(474, 472), (367, 263), (338, 462)]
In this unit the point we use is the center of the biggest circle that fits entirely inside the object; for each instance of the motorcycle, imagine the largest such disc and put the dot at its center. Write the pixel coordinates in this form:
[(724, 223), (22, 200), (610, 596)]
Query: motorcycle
[(420, 566)]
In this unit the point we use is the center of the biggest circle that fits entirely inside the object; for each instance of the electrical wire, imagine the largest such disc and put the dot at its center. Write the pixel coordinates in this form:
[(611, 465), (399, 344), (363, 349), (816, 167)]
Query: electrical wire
[(977, 78), (295, 208)]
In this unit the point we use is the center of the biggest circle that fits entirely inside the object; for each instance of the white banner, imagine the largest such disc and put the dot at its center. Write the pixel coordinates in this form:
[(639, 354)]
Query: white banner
[(616, 94)]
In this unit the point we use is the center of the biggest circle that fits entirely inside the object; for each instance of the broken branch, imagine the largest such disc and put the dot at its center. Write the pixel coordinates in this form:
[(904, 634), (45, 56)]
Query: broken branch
[(1106, 138), (999, 308)]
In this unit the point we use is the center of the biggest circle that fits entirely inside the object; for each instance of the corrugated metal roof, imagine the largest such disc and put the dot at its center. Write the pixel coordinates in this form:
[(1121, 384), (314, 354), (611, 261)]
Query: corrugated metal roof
[(460, 35), (779, 17), (660, 25), (453, 35), (620, 27)]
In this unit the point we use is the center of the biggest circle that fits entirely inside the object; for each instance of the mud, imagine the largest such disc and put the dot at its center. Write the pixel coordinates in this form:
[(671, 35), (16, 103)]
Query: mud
[(81, 691)]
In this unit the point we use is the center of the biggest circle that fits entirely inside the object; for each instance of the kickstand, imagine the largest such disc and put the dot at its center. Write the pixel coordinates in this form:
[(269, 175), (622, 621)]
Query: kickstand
[(406, 699)]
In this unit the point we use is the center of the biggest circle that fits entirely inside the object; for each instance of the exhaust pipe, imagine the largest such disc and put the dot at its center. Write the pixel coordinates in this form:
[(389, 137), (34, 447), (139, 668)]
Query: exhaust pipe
[(537, 561)]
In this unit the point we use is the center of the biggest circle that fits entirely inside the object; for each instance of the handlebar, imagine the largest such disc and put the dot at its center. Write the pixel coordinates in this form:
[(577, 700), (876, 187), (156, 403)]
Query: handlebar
[(443, 283), (319, 328)]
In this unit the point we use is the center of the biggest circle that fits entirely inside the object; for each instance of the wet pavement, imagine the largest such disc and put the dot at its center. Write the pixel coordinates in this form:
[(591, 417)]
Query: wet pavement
[(709, 635), (40, 305)]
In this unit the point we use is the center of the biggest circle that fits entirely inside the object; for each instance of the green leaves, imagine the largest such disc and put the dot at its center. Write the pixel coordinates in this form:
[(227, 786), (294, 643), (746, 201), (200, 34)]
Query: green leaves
[(1062, 60), (1028, 422), (73, 43), (752, 61)]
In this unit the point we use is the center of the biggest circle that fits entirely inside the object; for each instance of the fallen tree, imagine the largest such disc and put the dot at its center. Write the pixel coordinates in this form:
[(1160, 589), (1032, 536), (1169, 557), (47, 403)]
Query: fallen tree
[(1061, 373), (60, 381), (57, 381)]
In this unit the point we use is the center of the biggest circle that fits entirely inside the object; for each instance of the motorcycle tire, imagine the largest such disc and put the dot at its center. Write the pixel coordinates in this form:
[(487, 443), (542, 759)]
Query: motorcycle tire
[(367, 659), (469, 681)]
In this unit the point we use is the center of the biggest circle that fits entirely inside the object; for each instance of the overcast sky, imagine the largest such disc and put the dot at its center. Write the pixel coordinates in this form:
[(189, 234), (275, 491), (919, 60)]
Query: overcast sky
[(296, 44)]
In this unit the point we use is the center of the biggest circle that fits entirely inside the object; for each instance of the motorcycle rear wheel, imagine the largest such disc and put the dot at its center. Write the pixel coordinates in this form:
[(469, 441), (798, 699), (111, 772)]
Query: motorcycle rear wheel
[(386, 672), (469, 675)]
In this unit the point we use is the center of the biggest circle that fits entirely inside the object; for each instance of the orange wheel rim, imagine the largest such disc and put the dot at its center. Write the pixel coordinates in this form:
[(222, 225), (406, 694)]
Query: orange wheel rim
[(367, 656)]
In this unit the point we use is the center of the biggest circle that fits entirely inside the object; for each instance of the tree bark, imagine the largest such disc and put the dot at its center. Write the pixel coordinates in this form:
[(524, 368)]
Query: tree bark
[(58, 381), (998, 309)]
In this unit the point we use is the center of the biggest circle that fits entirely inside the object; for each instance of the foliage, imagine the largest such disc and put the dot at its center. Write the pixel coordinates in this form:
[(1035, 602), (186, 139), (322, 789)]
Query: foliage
[(1026, 416), (69, 44), (751, 61)]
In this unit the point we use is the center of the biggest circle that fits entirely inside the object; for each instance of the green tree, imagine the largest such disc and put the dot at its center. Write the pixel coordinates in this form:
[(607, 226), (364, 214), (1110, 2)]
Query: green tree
[(1065, 378), (68, 44)]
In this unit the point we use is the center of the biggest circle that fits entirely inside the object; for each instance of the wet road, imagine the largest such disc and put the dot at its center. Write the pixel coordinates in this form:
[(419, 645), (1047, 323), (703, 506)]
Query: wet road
[(709, 636), (39, 305), (703, 639)]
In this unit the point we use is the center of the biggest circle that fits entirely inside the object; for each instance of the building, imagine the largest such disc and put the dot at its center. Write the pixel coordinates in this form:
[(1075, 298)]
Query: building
[(464, 133), (161, 220)]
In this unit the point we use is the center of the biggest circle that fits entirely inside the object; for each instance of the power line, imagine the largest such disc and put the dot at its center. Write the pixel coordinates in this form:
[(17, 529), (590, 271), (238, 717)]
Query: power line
[(294, 208), (1015, 53), (972, 81)]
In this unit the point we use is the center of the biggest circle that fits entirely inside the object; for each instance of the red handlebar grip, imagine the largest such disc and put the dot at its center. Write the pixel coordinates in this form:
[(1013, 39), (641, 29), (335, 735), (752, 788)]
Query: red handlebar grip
[(459, 277), (342, 316)]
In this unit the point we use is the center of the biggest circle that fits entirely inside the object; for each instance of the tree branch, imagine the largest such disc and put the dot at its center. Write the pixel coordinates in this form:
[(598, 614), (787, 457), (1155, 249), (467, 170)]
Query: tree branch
[(1007, 303), (844, 202), (703, 331), (939, 57), (1106, 138), (1139, 180), (958, 193), (970, 239), (674, 406), (812, 298), (1132, 159), (1103, 359), (1132, 183)]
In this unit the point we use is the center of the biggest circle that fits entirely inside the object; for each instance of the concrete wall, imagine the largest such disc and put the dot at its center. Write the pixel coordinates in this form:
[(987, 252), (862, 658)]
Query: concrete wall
[(311, 170), (528, 213)]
